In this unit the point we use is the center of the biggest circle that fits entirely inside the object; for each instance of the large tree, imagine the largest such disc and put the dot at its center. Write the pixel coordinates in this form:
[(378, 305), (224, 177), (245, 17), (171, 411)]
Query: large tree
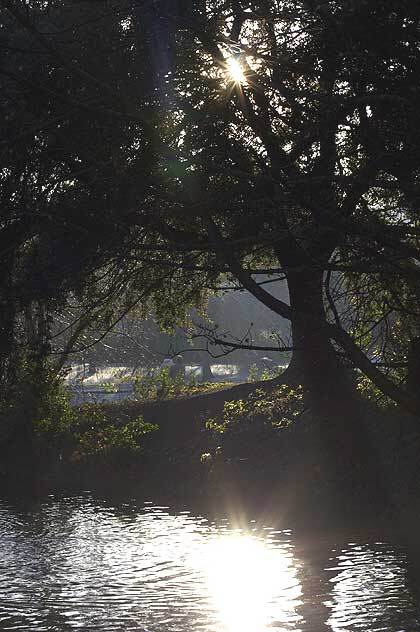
[(228, 138), (295, 152)]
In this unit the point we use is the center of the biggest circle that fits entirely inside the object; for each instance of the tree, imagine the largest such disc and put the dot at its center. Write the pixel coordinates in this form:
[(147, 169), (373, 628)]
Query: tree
[(270, 137), (67, 167), (303, 162)]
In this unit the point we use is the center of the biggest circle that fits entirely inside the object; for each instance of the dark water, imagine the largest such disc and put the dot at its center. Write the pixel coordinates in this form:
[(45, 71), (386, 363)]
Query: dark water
[(77, 563)]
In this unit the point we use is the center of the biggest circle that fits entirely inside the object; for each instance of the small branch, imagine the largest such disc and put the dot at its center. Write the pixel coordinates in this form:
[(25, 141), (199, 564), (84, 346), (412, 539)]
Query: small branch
[(330, 298), (240, 345)]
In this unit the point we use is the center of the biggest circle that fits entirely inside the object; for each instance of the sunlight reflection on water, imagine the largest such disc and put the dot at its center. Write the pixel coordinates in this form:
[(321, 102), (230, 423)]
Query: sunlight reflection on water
[(78, 563), (252, 585)]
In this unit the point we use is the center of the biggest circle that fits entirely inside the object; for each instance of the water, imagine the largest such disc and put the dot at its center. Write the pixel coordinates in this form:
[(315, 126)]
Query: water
[(78, 563)]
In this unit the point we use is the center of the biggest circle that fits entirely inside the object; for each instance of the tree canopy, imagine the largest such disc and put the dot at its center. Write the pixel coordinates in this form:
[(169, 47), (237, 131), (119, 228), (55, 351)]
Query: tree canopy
[(151, 149)]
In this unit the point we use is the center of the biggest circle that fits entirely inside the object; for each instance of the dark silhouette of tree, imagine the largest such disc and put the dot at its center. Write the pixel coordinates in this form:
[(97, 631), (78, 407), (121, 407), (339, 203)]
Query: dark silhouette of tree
[(137, 143)]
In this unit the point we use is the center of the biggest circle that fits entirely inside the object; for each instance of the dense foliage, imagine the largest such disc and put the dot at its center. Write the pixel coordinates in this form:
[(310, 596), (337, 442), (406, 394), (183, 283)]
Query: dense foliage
[(150, 150)]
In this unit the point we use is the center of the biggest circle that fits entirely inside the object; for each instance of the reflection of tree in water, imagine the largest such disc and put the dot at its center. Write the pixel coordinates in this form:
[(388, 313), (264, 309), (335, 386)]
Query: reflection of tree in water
[(354, 585), (371, 586), (312, 557), (40, 528), (412, 547), (55, 620)]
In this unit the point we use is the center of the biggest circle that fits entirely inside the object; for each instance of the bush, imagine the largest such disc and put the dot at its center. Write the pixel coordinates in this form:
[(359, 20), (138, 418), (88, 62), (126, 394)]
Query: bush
[(159, 385), (257, 373), (86, 431), (96, 435), (276, 409)]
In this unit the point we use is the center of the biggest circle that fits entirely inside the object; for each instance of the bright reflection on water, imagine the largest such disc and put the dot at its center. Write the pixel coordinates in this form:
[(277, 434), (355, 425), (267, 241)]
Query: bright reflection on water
[(251, 581), (80, 564)]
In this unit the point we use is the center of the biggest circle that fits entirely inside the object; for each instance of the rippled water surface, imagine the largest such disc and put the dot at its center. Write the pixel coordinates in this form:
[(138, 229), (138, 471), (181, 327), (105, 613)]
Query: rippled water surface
[(81, 564)]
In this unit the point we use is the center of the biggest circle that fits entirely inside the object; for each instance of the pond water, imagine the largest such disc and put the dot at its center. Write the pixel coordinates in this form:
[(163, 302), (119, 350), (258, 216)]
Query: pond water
[(78, 563)]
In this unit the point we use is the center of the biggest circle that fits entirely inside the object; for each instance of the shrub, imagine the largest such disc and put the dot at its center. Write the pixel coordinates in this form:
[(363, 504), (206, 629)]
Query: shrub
[(86, 431), (96, 435), (276, 409), (159, 385)]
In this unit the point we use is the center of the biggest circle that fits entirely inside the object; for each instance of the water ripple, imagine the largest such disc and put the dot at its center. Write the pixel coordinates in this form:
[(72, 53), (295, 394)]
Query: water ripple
[(79, 564)]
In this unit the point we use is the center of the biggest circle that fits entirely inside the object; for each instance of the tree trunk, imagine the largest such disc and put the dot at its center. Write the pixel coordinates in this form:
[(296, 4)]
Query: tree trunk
[(314, 363), (315, 357)]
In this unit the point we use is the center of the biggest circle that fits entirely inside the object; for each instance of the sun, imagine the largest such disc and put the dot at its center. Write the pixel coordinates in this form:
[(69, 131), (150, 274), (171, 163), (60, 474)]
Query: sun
[(235, 71)]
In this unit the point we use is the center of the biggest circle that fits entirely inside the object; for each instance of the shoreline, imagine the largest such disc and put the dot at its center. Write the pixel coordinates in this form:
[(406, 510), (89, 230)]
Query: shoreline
[(306, 468)]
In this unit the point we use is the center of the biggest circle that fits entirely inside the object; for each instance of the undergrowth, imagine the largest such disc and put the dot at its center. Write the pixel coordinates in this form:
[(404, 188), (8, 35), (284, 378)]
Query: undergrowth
[(276, 409), (160, 385), (86, 431)]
